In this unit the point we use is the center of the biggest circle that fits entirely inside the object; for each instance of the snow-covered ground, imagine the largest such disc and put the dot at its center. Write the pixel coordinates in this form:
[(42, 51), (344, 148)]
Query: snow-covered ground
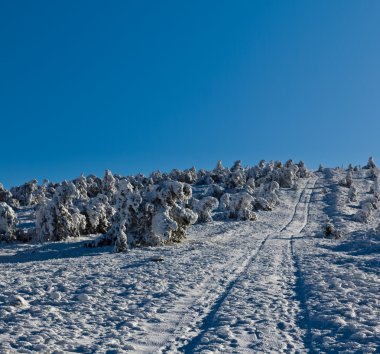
[(273, 285)]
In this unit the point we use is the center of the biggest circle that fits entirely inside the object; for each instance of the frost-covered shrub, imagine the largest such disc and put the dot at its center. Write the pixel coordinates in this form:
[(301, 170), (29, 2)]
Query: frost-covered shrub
[(330, 231), (219, 173), (365, 212), (6, 197), (204, 208), (370, 163), (109, 185), (215, 191), (352, 194), (186, 176), (375, 189), (25, 193), (346, 181), (235, 179), (302, 170), (98, 214), (81, 187), (288, 175), (237, 166), (238, 206), (156, 216), (169, 217), (57, 219), (94, 186), (8, 221), (127, 202), (320, 168), (373, 173)]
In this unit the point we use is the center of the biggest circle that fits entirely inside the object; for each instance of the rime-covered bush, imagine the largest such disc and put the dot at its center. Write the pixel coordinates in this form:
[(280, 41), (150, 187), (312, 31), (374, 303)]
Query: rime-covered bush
[(6, 197), (288, 175), (330, 231), (25, 193), (8, 223), (154, 217), (81, 187), (94, 186), (169, 217), (109, 185), (370, 164), (128, 200), (375, 189), (352, 194), (219, 173), (98, 214), (215, 190), (238, 206), (346, 181), (373, 173), (302, 170), (235, 179), (57, 219), (364, 213), (204, 207), (186, 176)]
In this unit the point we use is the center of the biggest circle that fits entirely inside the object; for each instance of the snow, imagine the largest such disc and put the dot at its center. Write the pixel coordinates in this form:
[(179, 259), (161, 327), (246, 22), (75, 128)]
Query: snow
[(273, 285)]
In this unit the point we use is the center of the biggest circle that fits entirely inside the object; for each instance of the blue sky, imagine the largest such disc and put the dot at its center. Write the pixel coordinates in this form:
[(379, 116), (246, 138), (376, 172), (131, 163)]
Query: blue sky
[(136, 86)]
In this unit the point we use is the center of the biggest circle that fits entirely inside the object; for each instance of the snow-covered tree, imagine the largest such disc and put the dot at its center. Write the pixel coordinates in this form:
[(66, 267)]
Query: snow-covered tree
[(204, 208), (94, 186), (330, 231), (215, 190), (57, 219), (370, 163), (8, 221), (346, 181), (25, 193), (98, 213), (238, 206), (302, 170), (81, 187), (109, 185), (366, 209), (352, 194)]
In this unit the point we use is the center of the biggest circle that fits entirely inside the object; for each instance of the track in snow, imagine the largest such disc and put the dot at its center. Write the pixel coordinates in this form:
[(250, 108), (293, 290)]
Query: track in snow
[(210, 319)]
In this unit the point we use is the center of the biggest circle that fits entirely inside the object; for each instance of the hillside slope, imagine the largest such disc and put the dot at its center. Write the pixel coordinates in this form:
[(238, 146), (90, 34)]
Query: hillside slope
[(270, 285)]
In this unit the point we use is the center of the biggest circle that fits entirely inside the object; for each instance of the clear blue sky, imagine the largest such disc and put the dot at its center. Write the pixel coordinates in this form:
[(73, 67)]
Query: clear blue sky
[(136, 86)]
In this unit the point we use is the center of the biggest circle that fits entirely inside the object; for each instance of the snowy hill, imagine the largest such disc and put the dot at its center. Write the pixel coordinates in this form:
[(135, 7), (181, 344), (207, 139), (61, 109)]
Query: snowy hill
[(303, 277)]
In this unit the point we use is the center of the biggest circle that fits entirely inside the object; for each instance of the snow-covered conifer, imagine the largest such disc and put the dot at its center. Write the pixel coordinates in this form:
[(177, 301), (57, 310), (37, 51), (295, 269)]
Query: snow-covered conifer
[(8, 221), (56, 219), (25, 193), (352, 193), (238, 206), (204, 208), (98, 214), (109, 185), (94, 186), (370, 163), (81, 187)]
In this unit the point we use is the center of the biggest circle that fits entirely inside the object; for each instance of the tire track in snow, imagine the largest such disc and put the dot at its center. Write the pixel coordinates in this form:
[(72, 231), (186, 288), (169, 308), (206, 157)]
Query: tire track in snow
[(209, 318), (304, 318)]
